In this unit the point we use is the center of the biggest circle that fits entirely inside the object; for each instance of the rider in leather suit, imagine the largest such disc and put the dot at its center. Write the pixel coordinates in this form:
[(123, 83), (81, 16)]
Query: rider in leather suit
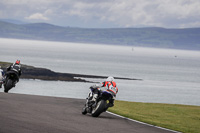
[(108, 85)]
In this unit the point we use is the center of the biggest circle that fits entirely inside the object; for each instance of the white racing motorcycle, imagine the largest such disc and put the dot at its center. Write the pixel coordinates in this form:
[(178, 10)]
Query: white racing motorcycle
[(100, 105)]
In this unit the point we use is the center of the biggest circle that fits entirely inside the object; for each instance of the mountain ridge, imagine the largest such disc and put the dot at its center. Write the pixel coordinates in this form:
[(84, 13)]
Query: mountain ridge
[(187, 38)]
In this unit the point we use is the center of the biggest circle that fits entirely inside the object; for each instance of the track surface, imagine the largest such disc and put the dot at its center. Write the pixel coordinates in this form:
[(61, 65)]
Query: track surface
[(40, 114)]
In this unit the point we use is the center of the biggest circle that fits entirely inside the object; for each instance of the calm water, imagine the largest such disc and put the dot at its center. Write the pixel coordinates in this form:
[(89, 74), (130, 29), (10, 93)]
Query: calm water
[(169, 76)]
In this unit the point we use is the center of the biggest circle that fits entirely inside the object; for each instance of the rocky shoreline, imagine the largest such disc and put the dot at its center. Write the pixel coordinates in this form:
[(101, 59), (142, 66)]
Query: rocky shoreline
[(30, 72)]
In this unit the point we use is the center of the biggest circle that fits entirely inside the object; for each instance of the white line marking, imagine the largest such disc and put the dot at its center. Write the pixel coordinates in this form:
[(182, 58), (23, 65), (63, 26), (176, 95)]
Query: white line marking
[(142, 122)]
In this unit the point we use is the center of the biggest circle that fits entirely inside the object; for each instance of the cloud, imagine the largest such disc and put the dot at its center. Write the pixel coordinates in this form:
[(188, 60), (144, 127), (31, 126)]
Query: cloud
[(134, 13), (37, 16), (166, 13), (128, 13)]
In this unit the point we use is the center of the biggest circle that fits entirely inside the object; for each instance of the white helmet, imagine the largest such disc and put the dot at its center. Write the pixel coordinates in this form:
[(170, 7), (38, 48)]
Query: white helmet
[(110, 78)]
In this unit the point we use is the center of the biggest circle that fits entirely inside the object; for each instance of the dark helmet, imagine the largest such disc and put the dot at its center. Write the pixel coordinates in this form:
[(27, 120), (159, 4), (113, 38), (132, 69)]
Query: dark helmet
[(17, 62)]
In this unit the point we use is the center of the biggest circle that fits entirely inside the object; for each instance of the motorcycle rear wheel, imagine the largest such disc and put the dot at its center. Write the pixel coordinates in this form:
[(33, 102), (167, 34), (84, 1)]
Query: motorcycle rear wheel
[(8, 85)]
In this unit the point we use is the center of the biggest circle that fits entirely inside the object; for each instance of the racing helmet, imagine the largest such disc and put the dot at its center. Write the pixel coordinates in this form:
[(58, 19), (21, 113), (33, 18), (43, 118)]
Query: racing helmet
[(17, 62), (110, 78)]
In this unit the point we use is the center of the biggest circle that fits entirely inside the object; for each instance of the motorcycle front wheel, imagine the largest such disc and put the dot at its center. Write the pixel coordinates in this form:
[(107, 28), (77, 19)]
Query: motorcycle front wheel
[(99, 108), (84, 111)]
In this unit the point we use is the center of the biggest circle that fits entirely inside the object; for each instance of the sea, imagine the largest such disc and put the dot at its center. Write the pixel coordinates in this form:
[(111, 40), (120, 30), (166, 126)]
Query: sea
[(167, 75)]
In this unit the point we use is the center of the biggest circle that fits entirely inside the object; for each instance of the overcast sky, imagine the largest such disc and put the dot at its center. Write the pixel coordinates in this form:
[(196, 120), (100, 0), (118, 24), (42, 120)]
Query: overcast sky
[(105, 13)]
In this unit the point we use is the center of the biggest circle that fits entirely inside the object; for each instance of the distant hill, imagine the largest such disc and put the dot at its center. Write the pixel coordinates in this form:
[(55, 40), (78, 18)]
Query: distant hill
[(188, 38), (13, 21)]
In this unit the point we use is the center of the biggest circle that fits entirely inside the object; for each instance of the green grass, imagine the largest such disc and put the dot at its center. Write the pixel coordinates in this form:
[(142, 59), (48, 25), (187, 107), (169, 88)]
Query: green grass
[(183, 118), (4, 64)]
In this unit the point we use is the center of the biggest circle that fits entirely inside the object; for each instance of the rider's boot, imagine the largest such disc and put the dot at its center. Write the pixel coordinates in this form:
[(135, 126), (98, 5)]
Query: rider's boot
[(111, 103)]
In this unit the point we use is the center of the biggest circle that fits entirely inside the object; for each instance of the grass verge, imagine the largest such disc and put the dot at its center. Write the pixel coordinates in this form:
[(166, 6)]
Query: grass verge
[(183, 118), (4, 64)]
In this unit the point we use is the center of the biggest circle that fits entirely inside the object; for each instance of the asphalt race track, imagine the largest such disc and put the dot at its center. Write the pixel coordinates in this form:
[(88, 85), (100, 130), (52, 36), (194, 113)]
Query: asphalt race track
[(21, 113)]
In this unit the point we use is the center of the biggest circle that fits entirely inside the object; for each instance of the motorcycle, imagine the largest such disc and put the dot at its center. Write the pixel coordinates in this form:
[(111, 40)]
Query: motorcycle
[(10, 81), (99, 106)]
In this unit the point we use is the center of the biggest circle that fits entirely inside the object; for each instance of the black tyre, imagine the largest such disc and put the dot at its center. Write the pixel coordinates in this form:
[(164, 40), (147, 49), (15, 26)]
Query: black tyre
[(99, 108), (8, 86), (84, 111)]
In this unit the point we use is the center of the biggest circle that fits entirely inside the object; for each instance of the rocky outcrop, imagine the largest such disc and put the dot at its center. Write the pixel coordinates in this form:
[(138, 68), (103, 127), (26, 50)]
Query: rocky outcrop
[(30, 72)]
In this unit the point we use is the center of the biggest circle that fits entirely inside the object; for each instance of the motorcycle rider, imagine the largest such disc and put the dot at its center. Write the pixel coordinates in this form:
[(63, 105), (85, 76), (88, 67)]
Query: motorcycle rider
[(1, 77), (16, 68), (108, 85)]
